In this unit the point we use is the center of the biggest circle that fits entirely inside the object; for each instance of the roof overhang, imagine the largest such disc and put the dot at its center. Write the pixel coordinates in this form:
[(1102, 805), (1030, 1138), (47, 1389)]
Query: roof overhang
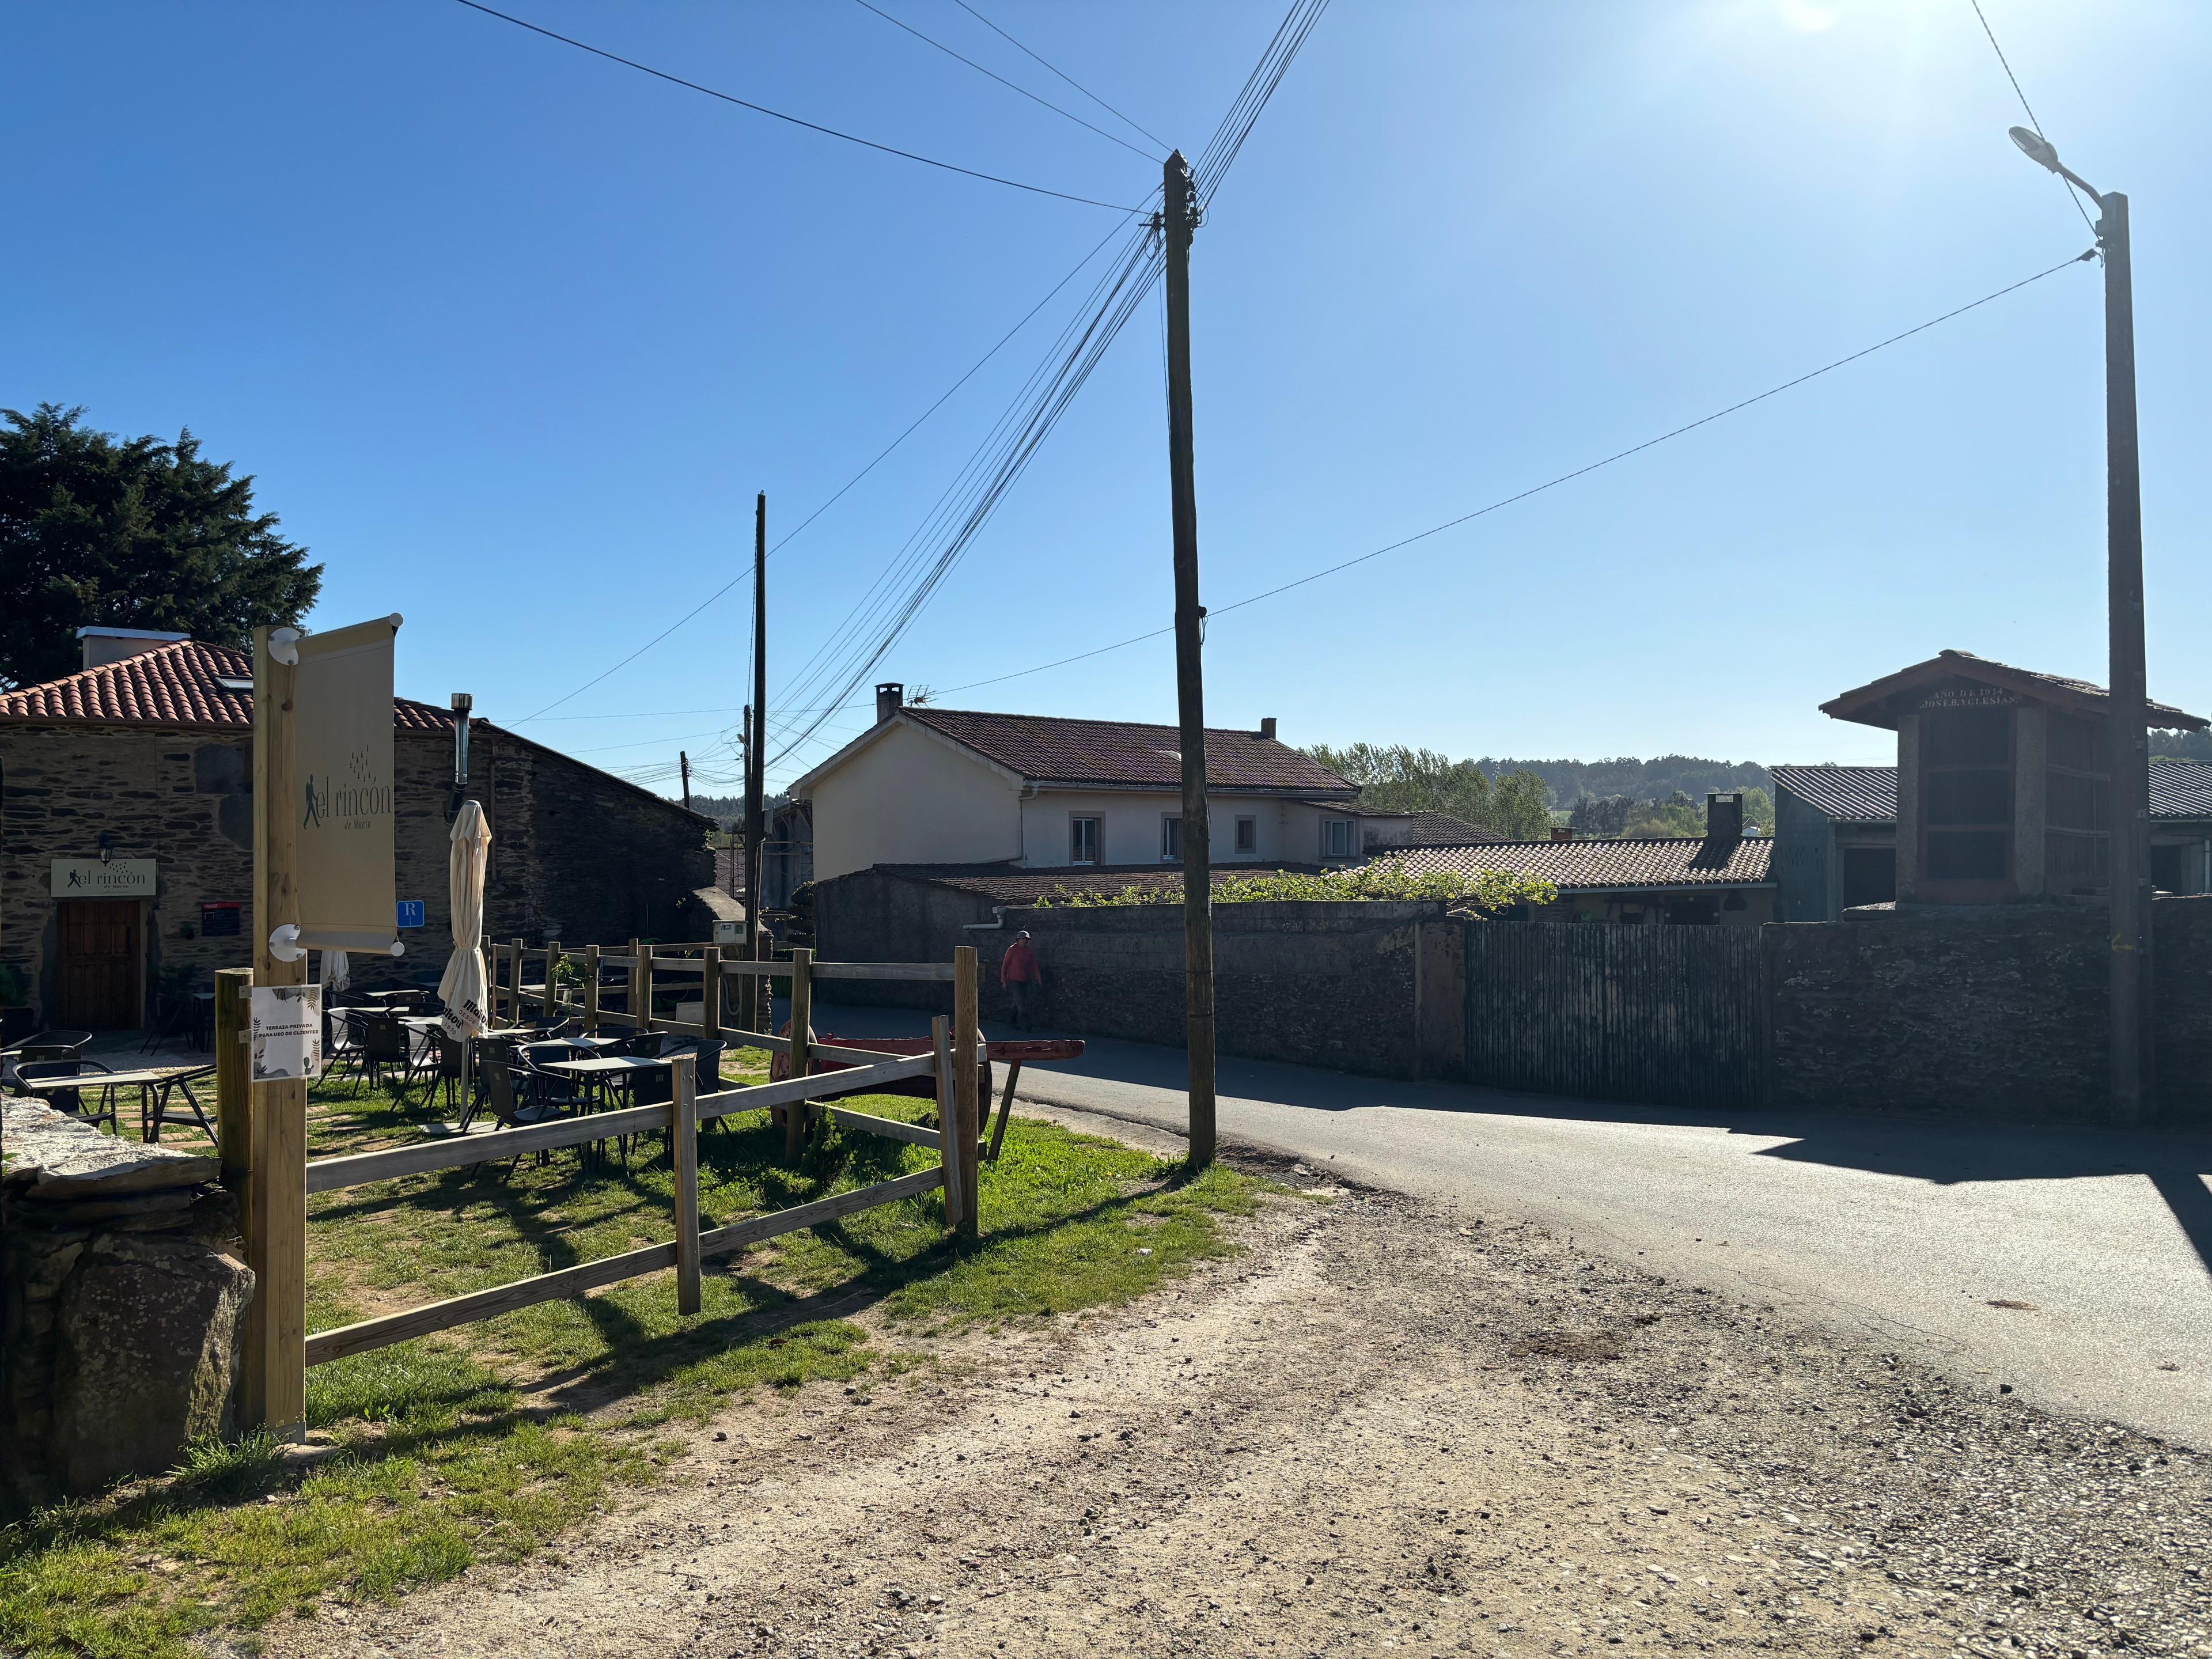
[(1886, 701), (802, 787)]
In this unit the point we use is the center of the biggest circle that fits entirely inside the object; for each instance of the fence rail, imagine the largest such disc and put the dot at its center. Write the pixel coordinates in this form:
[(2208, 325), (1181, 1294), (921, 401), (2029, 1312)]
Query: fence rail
[(954, 1061)]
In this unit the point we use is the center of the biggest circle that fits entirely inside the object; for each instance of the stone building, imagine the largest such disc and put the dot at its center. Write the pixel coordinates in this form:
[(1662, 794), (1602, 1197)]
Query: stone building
[(1999, 794), (126, 832)]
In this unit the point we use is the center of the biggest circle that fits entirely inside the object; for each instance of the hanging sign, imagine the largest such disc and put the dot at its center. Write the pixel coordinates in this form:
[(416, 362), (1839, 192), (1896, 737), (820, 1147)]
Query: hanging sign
[(103, 878), (287, 1032), (343, 810)]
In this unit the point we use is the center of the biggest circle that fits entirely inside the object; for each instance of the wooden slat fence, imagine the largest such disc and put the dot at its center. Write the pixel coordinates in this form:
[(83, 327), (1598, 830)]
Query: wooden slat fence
[(1661, 1015), (954, 1062)]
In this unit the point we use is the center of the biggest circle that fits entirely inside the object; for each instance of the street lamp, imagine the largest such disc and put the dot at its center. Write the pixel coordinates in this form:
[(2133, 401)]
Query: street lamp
[(2128, 813)]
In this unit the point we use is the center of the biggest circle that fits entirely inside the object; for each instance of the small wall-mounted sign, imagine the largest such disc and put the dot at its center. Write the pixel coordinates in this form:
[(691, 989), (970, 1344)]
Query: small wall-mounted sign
[(287, 1032), (103, 878), (410, 912), (221, 920)]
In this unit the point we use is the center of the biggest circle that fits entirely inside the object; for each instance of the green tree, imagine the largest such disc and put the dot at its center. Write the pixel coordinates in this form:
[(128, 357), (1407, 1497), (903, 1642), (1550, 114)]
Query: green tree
[(102, 530), (1395, 778)]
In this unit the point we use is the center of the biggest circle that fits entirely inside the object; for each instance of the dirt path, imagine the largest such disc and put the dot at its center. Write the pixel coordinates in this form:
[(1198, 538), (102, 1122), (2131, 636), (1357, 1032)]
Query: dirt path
[(1387, 1428)]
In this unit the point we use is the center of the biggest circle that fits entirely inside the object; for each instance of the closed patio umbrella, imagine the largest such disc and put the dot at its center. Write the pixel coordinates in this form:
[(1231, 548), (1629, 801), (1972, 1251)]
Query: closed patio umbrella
[(337, 970), (462, 988)]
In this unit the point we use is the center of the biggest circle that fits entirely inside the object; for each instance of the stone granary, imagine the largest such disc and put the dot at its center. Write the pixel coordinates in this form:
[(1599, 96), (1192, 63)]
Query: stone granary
[(126, 832), (2001, 788)]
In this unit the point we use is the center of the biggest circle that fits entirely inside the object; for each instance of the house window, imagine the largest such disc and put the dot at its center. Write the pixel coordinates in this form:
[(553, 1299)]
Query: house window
[(1248, 835), (1336, 838), (1082, 838), (1172, 839)]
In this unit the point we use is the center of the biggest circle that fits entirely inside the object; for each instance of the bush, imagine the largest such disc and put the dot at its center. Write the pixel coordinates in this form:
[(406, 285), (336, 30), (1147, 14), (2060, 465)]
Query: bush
[(1492, 891)]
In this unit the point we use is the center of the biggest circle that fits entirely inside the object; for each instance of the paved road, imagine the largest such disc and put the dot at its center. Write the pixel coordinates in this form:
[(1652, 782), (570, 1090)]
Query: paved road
[(1912, 1230)]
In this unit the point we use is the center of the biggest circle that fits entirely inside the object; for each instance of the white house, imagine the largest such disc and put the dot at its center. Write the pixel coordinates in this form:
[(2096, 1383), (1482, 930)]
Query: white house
[(946, 786)]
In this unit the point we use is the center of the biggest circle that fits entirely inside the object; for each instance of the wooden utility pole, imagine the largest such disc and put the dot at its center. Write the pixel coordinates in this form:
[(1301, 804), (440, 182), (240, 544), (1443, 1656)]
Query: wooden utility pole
[(2129, 841), (273, 1389), (684, 762), (1179, 212), (760, 1005)]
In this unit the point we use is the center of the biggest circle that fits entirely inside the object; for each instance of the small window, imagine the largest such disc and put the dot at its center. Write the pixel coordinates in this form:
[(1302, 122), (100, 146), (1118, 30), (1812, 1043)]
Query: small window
[(1336, 838), (1172, 839), (1082, 838), (1248, 835)]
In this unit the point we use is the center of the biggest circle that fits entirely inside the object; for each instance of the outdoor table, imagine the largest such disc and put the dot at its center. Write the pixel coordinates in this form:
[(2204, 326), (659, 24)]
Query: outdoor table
[(153, 1089), (605, 1071)]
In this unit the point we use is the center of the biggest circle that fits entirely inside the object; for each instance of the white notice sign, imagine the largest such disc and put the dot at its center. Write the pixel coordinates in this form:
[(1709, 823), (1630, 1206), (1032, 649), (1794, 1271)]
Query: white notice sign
[(287, 1032)]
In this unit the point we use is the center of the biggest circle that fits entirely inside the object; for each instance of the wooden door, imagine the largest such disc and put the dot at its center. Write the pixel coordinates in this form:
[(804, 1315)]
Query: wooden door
[(101, 968)]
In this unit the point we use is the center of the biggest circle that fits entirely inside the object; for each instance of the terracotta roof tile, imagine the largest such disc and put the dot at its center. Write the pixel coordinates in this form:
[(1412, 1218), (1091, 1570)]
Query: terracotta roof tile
[(1584, 866), (177, 685), (1049, 749)]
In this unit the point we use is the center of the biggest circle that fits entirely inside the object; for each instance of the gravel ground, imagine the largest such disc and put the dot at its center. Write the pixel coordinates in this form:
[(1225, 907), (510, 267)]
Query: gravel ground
[(1387, 1427)]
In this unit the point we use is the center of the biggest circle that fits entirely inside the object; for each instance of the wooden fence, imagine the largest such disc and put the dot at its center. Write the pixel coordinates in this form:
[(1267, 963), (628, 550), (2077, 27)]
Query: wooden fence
[(274, 1202), (1674, 1016)]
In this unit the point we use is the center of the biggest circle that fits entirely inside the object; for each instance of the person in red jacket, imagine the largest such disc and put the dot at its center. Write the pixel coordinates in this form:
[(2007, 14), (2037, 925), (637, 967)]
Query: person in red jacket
[(1023, 979)]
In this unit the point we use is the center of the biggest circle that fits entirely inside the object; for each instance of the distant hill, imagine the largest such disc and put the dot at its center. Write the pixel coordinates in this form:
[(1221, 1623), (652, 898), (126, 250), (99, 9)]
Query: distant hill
[(1639, 780), (726, 808)]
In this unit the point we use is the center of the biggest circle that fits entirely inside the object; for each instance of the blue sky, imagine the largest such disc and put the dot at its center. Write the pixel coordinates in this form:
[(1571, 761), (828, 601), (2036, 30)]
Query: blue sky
[(511, 335)]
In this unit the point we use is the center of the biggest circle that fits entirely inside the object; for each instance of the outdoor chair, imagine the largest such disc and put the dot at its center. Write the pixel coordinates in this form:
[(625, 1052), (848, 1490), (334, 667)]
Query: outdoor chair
[(452, 1072), (386, 1046), (69, 1100), (506, 1093), (345, 1048)]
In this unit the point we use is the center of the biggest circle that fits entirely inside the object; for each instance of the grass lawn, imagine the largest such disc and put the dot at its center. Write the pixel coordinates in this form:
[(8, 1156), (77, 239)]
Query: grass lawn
[(486, 1443)]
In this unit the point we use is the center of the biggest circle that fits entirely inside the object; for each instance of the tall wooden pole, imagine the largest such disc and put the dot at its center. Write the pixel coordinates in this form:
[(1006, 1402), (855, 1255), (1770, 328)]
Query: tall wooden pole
[(2129, 877), (755, 776), (273, 1391), (1179, 204), (684, 764)]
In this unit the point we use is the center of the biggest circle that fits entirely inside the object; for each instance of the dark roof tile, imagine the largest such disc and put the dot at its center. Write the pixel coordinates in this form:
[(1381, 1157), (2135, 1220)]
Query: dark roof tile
[(1868, 794), (1585, 866), (1050, 749)]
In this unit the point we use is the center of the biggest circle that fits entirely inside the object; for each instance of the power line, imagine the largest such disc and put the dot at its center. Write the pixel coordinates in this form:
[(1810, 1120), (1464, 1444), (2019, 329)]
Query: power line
[(763, 109), (1003, 82), (1071, 81), (881, 455), (882, 617), (1551, 484), (2038, 126)]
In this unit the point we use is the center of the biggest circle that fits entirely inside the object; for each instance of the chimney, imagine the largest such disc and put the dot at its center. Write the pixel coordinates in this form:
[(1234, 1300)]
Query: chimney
[(1562, 832), (1268, 728), (103, 646), (1724, 815), (890, 697)]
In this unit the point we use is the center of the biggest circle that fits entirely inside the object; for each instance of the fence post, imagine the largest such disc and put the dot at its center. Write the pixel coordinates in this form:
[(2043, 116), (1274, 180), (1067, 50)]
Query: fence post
[(710, 993), (491, 980), (683, 1144), (967, 1078), (515, 980), (802, 1019), (948, 1128), (232, 1106), (274, 1391), (592, 990), (641, 986), (552, 979)]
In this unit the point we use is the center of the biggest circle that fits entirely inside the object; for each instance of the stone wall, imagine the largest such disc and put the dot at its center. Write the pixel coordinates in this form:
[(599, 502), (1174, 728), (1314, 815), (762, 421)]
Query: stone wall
[(125, 1292), (1313, 984), (576, 854), (1999, 1012)]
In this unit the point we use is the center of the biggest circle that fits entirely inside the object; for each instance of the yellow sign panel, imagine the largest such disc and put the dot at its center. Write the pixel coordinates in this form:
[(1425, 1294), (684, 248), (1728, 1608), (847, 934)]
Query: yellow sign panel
[(344, 808)]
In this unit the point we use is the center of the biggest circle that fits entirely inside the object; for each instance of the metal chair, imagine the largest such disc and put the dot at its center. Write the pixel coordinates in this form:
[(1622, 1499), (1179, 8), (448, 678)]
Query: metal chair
[(71, 1100), (386, 1046), (344, 1050)]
